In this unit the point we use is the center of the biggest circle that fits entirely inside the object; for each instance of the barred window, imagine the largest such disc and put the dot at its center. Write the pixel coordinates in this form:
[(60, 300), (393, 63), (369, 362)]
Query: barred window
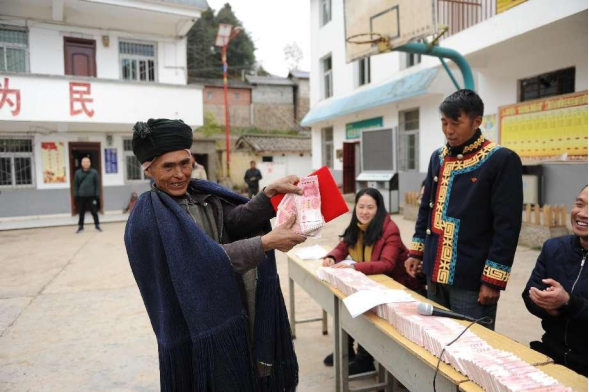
[(14, 47), (547, 85), (16, 162), (137, 61), (133, 169), (409, 140), (327, 147)]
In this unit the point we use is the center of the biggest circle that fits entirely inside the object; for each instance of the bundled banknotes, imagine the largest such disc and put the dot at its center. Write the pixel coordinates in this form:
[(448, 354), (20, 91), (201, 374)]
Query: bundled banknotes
[(492, 369), (306, 207)]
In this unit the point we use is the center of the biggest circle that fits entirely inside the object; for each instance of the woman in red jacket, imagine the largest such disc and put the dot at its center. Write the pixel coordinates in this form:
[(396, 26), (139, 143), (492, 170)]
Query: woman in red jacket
[(373, 241)]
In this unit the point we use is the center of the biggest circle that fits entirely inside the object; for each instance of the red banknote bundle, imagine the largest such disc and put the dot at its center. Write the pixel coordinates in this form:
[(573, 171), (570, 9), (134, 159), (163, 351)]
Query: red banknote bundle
[(332, 201)]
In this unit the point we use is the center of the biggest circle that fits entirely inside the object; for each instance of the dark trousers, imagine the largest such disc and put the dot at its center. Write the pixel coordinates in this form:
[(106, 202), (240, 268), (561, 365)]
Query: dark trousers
[(251, 192), (461, 301), (87, 203)]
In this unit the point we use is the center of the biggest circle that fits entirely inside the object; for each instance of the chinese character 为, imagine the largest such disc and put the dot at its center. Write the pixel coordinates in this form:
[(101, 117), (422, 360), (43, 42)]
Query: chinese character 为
[(5, 93), (79, 97)]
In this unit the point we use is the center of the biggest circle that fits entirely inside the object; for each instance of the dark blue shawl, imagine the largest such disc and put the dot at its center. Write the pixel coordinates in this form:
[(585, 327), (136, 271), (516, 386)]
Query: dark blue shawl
[(194, 305)]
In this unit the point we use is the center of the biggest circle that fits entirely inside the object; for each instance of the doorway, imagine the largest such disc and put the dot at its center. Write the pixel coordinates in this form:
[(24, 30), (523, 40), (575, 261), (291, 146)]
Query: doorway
[(351, 168), (80, 56), (77, 151), (203, 159)]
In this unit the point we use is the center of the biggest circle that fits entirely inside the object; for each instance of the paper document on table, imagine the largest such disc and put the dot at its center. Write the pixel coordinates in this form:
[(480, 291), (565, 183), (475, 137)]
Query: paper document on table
[(314, 252), (347, 262), (365, 300)]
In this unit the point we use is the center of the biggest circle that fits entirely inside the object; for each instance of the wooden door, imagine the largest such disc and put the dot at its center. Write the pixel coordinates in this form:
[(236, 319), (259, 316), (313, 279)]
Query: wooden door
[(350, 167), (80, 56), (77, 151)]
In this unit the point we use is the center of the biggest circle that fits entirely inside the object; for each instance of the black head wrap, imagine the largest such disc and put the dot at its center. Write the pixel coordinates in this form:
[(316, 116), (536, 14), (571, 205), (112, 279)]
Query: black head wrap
[(157, 137)]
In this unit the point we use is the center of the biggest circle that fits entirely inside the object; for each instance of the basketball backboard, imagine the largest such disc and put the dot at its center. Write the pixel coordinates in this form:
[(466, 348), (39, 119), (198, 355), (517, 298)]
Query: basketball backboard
[(398, 21)]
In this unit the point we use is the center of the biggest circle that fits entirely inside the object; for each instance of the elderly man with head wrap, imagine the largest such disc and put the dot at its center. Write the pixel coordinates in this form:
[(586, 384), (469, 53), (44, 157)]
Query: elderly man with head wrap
[(203, 258)]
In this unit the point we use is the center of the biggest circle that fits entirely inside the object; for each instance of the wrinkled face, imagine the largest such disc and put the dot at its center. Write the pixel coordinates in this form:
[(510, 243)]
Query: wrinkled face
[(579, 215), (365, 209), (460, 130), (86, 163), (171, 172)]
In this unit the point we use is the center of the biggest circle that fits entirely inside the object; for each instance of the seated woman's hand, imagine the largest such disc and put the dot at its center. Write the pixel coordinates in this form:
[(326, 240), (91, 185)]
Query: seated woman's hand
[(328, 262), (342, 265)]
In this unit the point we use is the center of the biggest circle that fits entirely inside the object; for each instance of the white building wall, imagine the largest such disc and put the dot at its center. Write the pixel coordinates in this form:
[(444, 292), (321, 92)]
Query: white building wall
[(46, 51)]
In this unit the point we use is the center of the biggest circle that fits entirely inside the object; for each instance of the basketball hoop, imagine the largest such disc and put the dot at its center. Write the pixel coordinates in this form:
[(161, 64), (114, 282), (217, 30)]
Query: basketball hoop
[(365, 38), (382, 42)]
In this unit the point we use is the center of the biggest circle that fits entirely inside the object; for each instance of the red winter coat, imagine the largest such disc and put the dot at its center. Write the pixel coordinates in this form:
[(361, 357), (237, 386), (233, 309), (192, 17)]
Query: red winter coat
[(388, 256)]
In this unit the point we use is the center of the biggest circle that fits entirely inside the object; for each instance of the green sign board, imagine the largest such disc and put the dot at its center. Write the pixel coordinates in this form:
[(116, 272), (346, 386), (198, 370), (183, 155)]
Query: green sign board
[(353, 129)]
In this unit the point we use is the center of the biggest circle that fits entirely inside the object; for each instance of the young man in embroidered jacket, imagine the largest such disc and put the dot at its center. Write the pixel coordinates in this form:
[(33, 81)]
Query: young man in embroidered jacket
[(470, 216)]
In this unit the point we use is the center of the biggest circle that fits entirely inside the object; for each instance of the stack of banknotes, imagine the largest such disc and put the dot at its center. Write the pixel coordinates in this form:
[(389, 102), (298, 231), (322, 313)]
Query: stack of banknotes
[(306, 207), (492, 369)]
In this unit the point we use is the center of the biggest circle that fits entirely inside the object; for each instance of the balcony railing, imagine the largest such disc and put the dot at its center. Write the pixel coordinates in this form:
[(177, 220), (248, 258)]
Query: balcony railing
[(459, 15)]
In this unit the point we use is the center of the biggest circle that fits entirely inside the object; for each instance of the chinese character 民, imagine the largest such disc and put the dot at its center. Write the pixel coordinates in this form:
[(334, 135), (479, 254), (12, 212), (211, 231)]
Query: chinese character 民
[(5, 93), (79, 96)]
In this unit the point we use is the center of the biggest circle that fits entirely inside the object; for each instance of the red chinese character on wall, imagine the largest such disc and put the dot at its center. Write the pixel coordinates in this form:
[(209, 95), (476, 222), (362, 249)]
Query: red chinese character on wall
[(79, 96), (5, 93)]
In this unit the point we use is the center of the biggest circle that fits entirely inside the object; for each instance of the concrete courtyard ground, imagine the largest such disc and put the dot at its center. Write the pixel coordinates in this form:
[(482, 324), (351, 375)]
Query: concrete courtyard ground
[(72, 319)]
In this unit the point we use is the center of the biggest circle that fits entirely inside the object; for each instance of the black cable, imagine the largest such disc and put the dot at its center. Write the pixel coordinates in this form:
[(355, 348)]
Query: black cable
[(482, 320)]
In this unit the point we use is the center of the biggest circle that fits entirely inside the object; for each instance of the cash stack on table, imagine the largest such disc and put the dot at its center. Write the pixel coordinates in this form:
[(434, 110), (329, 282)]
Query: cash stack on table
[(492, 369)]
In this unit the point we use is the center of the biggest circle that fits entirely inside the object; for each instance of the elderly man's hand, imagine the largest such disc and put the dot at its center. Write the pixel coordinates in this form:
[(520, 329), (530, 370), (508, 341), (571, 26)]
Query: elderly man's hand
[(283, 238), (283, 185), (552, 298)]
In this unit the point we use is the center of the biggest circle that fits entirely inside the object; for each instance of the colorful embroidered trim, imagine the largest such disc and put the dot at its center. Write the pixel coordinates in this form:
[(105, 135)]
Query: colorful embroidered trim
[(447, 227), (474, 145), (496, 274), (417, 245)]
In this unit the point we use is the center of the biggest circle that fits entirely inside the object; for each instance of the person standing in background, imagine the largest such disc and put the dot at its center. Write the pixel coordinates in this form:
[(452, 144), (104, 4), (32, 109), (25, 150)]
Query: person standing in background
[(252, 179), (87, 193)]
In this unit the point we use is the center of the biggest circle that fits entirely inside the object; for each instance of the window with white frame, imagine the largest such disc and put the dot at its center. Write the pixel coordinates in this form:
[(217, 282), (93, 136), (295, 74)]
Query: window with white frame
[(137, 61), (327, 147), (364, 71), (325, 12), (133, 169), (412, 59), (14, 49), (409, 140), (327, 77), (16, 162)]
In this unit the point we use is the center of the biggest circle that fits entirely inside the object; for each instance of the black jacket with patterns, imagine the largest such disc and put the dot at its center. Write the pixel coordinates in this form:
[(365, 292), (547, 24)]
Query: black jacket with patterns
[(470, 217)]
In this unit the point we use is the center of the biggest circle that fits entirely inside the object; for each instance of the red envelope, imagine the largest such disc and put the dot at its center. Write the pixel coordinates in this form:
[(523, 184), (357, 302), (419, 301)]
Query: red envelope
[(332, 201)]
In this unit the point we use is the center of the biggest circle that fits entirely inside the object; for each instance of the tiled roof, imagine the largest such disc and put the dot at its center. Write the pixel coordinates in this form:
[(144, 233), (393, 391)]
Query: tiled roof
[(299, 74), (271, 143), (277, 80)]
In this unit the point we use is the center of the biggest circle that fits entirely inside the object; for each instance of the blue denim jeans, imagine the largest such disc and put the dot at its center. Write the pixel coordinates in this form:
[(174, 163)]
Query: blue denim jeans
[(461, 301)]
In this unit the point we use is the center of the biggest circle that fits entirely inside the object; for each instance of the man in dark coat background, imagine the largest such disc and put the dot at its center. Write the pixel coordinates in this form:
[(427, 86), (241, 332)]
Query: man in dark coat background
[(557, 293), (87, 193), (252, 179)]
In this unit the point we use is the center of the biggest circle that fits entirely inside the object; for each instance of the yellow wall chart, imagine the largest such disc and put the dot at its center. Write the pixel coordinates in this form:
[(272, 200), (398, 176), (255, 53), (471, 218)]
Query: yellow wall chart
[(53, 154), (546, 129)]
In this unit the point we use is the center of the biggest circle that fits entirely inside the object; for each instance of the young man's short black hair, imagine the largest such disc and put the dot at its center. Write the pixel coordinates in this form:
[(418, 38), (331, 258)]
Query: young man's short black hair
[(463, 101)]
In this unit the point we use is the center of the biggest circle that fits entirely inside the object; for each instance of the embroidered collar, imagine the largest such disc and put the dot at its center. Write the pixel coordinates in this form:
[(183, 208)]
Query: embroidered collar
[(471, 145)]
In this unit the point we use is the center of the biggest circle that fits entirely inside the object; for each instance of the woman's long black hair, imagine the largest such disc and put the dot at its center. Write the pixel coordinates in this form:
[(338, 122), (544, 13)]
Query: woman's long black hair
[(374, 229)]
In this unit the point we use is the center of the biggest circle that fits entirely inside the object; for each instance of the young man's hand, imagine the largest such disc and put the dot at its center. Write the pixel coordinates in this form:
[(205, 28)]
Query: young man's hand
[(413, 266), (488, 295), (282, 238)]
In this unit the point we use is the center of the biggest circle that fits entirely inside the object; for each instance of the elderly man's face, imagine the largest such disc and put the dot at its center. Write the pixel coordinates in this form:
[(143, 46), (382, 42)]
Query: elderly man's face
[(86, 163), (171, 172)]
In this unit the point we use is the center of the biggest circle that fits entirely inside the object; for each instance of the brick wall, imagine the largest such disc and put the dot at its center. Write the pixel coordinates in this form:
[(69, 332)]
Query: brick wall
[(239, 115), (274, 116), (235, 96)]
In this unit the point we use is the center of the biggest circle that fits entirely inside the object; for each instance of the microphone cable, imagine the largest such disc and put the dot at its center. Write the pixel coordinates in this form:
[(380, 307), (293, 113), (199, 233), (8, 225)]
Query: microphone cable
[(482, 320)]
